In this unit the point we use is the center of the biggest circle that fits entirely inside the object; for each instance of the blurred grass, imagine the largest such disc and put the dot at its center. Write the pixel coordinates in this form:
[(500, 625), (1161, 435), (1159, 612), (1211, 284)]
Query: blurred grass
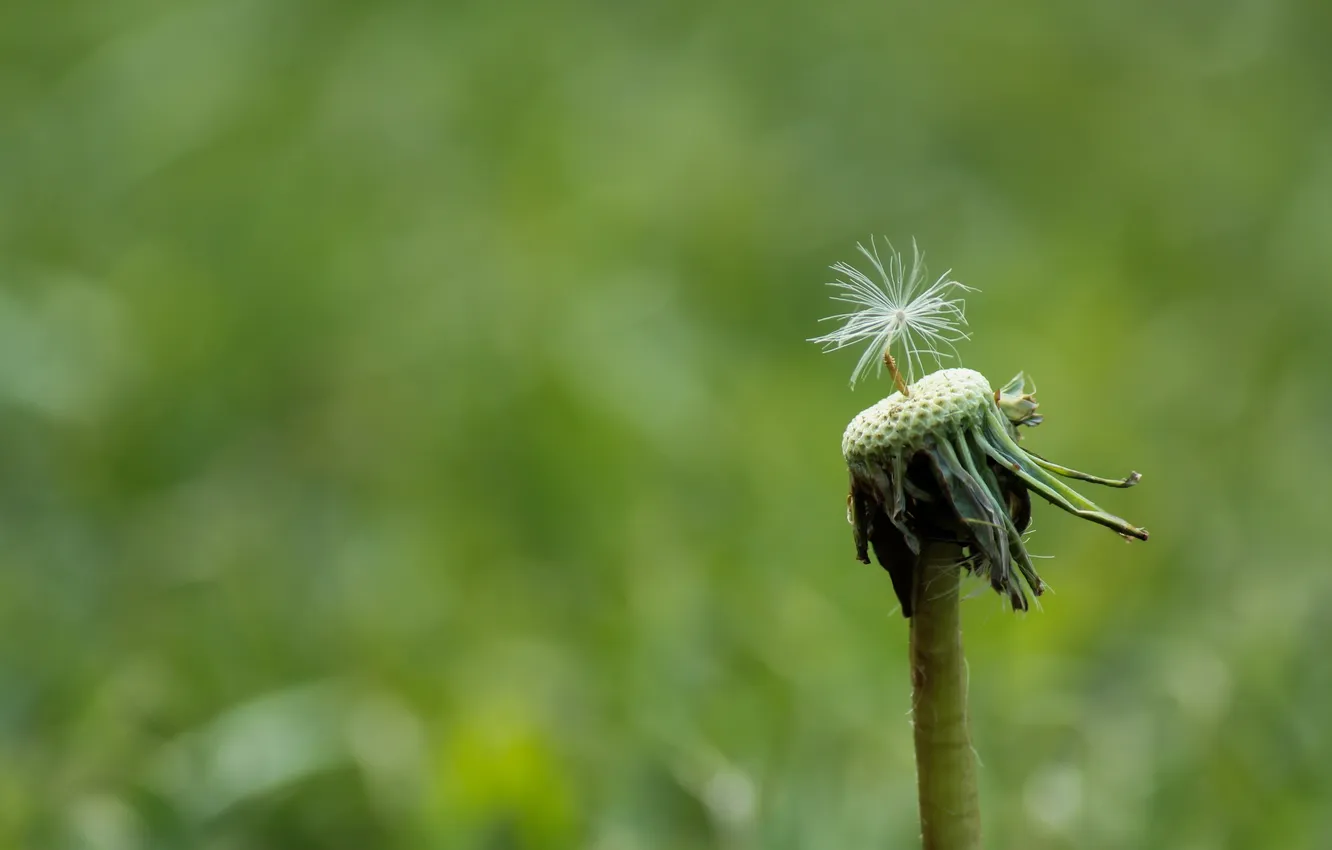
[(409, 441)]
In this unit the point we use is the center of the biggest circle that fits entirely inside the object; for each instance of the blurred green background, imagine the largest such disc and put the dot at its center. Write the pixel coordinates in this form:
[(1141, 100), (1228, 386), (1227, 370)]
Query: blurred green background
[(408, 438)]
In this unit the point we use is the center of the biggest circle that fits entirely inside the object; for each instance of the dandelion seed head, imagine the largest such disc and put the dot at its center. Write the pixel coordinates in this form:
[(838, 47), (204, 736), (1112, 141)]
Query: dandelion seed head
[(898, 311)]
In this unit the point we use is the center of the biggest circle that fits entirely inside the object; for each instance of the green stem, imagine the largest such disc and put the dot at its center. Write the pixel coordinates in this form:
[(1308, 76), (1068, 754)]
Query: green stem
[(945, 761)]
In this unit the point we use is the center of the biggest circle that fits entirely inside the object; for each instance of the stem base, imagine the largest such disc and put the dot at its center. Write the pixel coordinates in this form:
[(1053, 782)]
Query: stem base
[(945, 760)]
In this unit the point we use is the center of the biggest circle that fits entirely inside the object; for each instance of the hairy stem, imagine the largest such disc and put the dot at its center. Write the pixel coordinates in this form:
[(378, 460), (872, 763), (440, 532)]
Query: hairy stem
[(945, 761)]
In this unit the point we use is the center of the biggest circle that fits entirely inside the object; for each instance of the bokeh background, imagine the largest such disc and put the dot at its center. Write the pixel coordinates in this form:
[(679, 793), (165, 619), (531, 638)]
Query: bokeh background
[(408, 437)]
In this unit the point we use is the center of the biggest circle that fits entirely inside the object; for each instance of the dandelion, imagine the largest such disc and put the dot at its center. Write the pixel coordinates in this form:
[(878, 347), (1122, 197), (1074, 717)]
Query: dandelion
[(940, 484), (897, 311)]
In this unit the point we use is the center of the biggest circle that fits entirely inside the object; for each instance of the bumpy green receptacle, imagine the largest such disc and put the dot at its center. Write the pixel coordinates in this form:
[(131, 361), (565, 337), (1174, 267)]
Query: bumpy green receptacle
[(947, 399)]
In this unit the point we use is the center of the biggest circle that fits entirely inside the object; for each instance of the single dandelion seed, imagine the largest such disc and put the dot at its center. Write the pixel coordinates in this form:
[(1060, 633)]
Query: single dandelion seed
[(900, 311)]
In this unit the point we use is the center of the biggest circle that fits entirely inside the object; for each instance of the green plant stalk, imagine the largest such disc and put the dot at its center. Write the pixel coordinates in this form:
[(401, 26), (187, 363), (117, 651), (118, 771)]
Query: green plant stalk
[(945, 760)]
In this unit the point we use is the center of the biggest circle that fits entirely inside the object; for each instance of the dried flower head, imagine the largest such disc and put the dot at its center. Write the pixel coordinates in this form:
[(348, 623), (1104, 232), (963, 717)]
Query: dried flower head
[(943, 463), (939, 460), (899, 310)]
